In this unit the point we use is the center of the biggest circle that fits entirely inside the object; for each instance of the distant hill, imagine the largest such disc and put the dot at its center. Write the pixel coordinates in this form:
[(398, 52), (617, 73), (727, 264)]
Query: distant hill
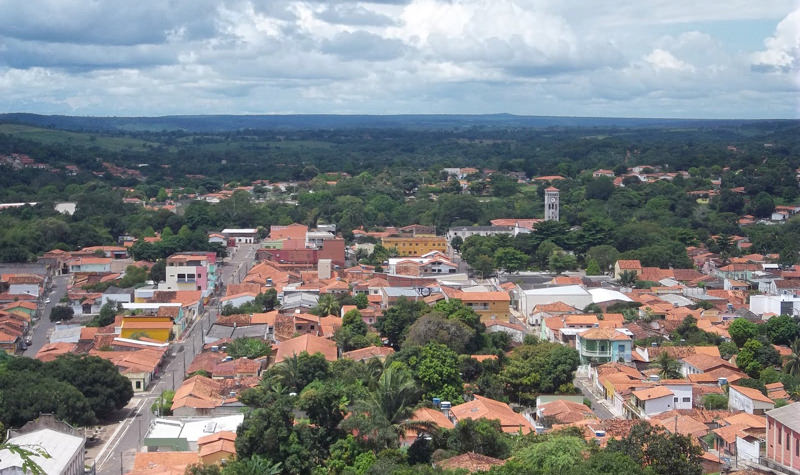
[(225, 123)]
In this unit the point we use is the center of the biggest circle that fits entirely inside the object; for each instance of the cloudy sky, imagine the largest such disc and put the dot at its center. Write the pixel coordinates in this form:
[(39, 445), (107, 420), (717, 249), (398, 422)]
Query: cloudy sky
[(632, 58)]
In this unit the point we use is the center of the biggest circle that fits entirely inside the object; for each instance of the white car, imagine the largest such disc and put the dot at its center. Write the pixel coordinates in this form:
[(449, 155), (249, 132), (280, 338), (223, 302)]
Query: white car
[(47, 300)]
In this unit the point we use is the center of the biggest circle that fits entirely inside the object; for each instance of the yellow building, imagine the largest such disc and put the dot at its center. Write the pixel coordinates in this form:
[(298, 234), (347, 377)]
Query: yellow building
[(489, 305), (155, 328), (415, 246)]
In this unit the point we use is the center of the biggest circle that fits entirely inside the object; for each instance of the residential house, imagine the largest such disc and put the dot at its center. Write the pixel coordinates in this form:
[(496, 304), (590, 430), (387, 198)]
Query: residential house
[(749, 400), (603, 345), (482, 407), (190, 271), (201, 396), (651, 401), (90, 264), (491, 305), (629, 265), (217, 448), (307, 343), (240, 236), (702, 363)]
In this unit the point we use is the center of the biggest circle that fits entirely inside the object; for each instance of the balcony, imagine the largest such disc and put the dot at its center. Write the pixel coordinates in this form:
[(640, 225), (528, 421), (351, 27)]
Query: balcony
[(596, 353)]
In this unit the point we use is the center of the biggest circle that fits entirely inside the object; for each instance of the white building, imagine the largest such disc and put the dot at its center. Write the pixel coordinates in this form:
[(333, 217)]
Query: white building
[(749, 400), (315, 239), (241, 236), (65, 448), (572, 295), (652, 401), (682, 393), (777, 304)]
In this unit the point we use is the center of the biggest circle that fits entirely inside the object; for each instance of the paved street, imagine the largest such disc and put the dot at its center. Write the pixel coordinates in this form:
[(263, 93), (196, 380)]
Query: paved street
[(42, 328), (600, 406), (117, 453)]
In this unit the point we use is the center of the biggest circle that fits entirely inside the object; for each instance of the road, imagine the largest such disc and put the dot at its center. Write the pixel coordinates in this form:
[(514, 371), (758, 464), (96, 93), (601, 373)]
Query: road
[(117, 453), (599, 406), (43, 326)]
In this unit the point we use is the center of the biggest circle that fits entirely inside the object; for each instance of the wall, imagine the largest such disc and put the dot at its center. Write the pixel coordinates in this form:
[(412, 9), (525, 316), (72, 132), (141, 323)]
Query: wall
[(658, 405), (737, 400), (776, 444), (681, 392), (747, 450)]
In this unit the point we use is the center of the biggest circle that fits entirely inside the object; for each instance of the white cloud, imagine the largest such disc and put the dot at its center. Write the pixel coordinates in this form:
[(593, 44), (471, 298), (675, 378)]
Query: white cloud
[(661, 59), (782, 53)]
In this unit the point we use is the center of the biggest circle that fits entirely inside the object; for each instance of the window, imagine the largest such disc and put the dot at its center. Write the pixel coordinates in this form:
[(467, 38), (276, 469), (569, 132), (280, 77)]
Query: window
[(675, 399), (138, 385), (686, 399), (797, 447), (788, 443)]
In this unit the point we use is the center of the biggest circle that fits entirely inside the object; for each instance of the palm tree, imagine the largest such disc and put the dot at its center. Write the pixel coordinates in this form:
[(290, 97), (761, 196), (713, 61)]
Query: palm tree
[(792, 362), (287, 373), (668, 366), (327, 305), (383, 416), (255, 465)]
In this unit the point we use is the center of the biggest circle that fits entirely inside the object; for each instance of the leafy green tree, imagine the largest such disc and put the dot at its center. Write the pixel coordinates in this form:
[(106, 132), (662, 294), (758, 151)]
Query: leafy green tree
[(557, 454), (484, 265), (604, 254), (158, 271), (742, 330), (510, 259), (543, 253), (27, 454), (455, 334), (437, 371), (592, 268), (265, 431), (538, 368), (727, 349), (298, 371), (361, 300), (562, 261), (97, 379), (250, 348), (134, 275), (663, 453), (327, 305), (456, 243), (325, 403), (482, 436), (782, 329), (61, 313), (396, 320), (715, 401), (163, 405), (599, 188), (607, 462)]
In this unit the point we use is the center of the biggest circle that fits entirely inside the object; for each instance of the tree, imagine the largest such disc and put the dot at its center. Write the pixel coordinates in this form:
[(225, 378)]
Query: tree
[(158, 271), (510, 259), (628, 278), (483, 265), (456, 243), (661, 452), (742, 330), (715, 401), (265, 431), (605, 255), (96, 378), (599, 188), (560, 261), (727, 349), (361, 300), (544, 251), (607, 462), (557, 454), (297, 371), (395, 321), (592, 268), (327, 305), (792, 363), (250, 348), (383, 416), (255, 465), (134, 275), (538, 368), (669, 367), (481, 436), (437, 371), (61, 313), (747, 360), (433, 329), (163, 405), (782, 329), (107, 315)]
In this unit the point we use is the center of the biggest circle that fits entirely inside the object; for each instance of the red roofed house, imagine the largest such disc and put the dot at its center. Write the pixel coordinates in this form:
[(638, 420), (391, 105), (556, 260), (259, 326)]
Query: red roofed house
[(651, 401), (483, 407), (308, 343), (749, 400), (632, 265)]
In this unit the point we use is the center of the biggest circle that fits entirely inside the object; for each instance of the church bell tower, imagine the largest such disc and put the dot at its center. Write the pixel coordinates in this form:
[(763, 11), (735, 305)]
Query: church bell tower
[(551, 204)]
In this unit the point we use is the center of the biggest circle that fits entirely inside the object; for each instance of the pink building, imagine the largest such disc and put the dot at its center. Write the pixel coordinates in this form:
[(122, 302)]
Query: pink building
[(783, 436), (191, 271)]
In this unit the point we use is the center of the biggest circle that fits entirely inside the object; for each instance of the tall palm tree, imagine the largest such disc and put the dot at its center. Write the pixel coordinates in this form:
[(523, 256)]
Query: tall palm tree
[(792, 363), (287, 373), (668, 366), (383, 416)]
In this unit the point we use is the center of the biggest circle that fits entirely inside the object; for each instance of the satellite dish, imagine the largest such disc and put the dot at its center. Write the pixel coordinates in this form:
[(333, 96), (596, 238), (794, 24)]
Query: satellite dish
[(423, 291)]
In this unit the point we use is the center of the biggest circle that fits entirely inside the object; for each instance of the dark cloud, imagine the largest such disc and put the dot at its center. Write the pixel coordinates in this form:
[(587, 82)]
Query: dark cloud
[(82, 57), (362, 45), (106, 22)]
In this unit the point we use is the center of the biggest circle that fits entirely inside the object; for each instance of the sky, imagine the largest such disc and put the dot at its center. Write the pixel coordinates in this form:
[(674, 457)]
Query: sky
[(611, 58)]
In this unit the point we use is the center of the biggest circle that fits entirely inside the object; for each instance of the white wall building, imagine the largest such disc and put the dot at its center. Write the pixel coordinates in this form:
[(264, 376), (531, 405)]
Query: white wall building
[(572, 295)]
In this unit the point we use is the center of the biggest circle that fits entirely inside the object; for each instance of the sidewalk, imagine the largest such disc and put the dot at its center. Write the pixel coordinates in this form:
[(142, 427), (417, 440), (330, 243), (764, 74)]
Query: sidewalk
[(608, 410)]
